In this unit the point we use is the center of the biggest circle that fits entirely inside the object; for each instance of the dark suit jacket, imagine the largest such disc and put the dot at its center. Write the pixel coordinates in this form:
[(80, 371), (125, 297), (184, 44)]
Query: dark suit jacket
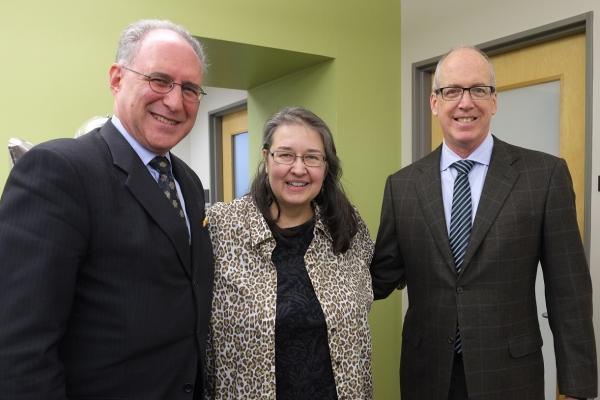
[(101, 294), (526, 214)]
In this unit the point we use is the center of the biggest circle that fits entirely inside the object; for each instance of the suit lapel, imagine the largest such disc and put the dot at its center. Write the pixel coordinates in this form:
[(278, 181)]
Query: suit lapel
[(194, 207), (194, 213), (202, 270), (146, 191), (429, 192), (499, 181)]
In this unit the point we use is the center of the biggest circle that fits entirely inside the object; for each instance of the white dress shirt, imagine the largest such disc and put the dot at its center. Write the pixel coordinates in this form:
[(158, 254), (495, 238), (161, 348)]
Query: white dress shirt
[(481, 156)]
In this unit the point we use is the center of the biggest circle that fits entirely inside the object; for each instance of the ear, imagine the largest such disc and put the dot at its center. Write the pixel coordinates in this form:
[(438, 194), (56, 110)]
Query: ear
[(265, 156), (495, 101), (433, 104), (115, 78)]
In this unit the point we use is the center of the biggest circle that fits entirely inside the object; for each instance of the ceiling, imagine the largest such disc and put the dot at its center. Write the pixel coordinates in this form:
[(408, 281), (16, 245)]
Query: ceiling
[(236, 65)]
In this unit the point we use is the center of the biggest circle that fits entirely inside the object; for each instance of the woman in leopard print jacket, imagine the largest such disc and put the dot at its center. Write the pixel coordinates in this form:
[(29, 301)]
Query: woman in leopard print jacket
[(292, 286)]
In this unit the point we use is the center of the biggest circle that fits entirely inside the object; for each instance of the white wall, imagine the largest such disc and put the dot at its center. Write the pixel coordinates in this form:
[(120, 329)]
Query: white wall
[(432, 27), (195, 148)]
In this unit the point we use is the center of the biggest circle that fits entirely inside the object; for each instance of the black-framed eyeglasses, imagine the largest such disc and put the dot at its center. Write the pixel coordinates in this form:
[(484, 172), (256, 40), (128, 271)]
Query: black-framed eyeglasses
[(453, 93), (288, 158), (163, 84)]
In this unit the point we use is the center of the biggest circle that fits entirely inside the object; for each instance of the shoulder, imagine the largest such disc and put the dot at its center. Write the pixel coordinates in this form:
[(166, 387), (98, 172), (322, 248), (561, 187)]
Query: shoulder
[(237, 207), (539, 167), (71, 149), (236, 212), (82, 152), (238, 221), (62, 158), (415, 170), (523, 157)]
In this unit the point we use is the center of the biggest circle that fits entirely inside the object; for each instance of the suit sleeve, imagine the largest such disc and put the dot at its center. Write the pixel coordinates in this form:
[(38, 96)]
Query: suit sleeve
[(42, 242), (387, 268), (568, 289)]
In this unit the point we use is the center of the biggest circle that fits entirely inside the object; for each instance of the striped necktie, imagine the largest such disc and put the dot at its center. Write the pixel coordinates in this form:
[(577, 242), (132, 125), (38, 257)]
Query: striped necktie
[(460, 222)]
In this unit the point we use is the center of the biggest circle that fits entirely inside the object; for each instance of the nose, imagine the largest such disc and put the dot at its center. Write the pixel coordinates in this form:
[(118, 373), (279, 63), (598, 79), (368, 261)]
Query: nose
[(466, 101), (174, 99), (298, 166)]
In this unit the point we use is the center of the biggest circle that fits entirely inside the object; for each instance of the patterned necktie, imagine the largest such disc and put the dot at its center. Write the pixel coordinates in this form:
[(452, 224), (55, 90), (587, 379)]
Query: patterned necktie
[(460, 222), (166, 182)]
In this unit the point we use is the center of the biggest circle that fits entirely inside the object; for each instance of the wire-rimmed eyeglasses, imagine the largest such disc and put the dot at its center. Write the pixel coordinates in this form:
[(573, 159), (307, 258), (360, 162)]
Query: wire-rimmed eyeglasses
[(453, 93), (163, 84), (288, 158)]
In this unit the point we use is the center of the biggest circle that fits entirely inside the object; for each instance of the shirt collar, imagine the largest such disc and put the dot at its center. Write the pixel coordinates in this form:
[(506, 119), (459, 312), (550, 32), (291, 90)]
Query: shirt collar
[(145, 155), (481, 155)]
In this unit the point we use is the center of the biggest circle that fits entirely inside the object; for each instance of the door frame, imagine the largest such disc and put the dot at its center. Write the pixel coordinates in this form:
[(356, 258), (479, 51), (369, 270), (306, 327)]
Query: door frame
[(215, 119), (421, 78)]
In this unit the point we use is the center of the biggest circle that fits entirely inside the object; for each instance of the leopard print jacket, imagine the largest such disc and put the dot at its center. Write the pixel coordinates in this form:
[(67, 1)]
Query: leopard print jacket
[(241, 349)]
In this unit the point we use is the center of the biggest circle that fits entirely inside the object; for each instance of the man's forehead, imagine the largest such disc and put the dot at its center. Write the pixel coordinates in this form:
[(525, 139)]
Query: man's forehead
[(465, 66), (158, 40), (163, 50), (464, 58)]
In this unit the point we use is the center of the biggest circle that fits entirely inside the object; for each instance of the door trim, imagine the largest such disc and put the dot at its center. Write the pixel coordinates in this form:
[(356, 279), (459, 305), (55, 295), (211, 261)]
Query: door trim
[(215, 119), (421, 78)]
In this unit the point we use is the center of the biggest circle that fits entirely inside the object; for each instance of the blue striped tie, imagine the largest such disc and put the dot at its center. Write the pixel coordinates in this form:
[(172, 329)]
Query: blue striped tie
[(460, 222)]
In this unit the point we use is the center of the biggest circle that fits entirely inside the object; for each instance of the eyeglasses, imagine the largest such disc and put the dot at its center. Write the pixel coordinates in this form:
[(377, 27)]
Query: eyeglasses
[(454, 93), (288, 158), (163, 84)]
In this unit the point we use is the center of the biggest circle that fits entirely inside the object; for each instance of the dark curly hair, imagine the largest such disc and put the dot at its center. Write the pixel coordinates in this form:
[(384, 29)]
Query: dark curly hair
[(336, 210)]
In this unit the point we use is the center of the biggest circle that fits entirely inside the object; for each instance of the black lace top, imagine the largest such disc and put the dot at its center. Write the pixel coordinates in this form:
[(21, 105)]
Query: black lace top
[(302, 360)]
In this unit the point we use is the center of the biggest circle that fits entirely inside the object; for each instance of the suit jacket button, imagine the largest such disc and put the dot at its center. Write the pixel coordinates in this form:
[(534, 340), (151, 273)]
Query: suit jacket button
[(450, 339), (459, 290), (188, 388)]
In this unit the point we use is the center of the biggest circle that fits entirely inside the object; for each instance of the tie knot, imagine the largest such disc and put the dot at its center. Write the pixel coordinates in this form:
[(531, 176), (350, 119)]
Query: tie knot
[(161, 164), (463, 167)]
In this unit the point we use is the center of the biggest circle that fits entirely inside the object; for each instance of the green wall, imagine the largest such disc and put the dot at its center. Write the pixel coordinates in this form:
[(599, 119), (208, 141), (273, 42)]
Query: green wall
[(56, 57)]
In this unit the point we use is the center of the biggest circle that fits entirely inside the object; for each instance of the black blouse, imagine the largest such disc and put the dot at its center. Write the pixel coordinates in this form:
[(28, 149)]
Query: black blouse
[(302, 361)]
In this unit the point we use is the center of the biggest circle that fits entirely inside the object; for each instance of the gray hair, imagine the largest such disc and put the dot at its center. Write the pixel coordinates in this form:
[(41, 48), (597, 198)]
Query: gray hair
[(436, 76), (132, 37)]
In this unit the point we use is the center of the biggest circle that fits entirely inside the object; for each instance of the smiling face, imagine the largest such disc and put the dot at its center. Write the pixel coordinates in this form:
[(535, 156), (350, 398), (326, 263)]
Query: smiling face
[(295, 186), (466, 122), (157, 121)]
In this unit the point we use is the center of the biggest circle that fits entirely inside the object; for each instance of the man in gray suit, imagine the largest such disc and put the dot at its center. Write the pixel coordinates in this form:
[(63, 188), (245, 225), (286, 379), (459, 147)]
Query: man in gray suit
[(105, 265), (464, 229)]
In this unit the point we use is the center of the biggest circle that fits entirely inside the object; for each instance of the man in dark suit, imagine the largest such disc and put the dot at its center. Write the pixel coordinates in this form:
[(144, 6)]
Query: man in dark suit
[(464, 229), (106, 268)]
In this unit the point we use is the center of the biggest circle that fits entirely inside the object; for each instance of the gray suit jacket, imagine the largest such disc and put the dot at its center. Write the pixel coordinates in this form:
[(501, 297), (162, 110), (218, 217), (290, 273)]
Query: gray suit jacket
[(101, 294), (526, 214)]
